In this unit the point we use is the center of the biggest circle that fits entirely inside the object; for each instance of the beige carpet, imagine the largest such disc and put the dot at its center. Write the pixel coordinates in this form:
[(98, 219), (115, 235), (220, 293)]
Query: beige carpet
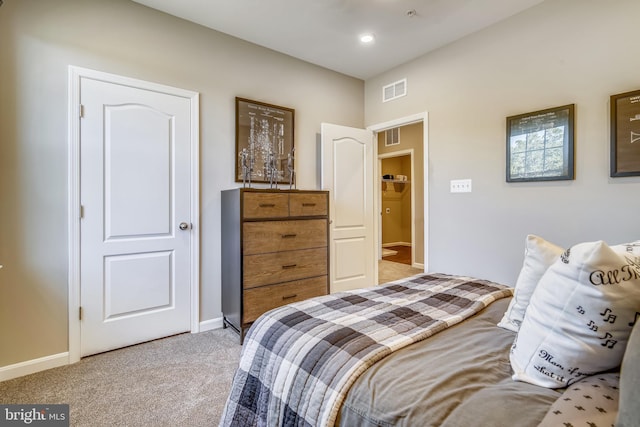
[(177, 381), (389, 271)]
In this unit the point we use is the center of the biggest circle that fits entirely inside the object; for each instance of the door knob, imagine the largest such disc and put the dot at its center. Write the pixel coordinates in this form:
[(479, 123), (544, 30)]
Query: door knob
[(184, 226)]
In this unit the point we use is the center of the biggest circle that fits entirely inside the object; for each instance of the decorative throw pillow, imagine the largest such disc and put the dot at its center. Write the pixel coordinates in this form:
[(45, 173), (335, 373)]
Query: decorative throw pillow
[(592, 401), (632, 247), (580, 316), (538, 257)]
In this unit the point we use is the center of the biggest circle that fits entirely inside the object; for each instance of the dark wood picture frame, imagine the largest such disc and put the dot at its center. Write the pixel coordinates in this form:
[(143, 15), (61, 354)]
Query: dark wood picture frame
[(261, 127), (625, 134), (540, 145)]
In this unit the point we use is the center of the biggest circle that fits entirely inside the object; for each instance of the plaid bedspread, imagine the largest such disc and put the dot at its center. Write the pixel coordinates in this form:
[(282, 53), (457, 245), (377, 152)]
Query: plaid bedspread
[(299, 361)]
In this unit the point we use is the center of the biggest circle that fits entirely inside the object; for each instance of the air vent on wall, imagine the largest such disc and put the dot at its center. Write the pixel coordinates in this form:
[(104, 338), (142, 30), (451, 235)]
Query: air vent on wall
[(394, 90), (392, 137)]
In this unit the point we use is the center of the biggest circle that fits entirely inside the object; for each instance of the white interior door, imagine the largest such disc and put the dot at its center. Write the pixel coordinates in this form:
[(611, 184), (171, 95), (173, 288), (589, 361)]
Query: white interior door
[(135, 231), (347, 172)]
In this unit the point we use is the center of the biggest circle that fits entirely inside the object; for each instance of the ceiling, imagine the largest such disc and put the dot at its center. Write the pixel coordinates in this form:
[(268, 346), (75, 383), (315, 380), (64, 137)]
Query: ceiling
[(325, 32)]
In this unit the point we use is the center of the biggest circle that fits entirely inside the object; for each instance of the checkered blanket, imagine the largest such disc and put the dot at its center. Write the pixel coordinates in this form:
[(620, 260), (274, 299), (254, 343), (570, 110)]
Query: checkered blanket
[(299, 361)]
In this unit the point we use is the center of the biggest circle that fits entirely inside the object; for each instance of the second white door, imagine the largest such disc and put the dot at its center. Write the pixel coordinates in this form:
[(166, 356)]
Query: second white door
[(347, 172)]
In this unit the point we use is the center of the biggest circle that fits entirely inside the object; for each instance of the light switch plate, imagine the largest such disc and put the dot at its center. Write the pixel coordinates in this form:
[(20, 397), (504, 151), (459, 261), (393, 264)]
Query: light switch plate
[(461, 186)]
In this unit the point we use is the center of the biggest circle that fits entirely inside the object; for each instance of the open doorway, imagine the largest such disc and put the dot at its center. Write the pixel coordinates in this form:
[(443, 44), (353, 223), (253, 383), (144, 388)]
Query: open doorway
[(396, 222), (401, 201)]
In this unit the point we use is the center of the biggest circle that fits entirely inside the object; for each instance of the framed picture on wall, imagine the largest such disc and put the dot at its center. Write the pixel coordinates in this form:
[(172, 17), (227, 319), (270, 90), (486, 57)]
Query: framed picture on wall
[(264, 142), (540, 145), (625, 134)]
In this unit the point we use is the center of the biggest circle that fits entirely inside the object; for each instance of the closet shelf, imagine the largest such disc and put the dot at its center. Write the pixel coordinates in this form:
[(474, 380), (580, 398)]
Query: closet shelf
[(396, 181)]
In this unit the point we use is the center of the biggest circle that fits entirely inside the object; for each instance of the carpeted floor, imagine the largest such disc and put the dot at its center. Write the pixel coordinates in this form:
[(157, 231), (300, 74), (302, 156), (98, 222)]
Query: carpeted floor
[(389, 271), (177, 381)]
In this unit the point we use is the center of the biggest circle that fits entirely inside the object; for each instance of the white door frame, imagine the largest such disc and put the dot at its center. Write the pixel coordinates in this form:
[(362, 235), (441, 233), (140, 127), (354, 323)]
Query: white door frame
[(400, 153), (74, 213), (403, 121)]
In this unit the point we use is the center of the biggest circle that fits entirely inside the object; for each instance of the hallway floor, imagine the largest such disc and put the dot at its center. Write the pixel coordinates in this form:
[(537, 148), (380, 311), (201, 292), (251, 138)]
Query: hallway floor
[(397, 266), (403, 254)]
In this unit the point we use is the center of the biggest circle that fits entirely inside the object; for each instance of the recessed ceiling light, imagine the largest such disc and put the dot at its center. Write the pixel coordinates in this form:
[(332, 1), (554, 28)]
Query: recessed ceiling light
[(367, 38)]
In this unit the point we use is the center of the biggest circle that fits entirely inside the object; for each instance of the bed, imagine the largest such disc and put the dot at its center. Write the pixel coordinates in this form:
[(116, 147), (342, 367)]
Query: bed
[(428, 351)]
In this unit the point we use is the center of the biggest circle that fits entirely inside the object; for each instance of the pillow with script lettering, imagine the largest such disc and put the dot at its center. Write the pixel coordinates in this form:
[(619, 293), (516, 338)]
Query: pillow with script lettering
[(580, 316), (538, 256)]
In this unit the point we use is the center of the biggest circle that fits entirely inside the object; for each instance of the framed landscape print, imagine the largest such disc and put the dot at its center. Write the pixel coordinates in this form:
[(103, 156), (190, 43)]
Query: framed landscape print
[(264, 142), (625, 134), (540, 145)]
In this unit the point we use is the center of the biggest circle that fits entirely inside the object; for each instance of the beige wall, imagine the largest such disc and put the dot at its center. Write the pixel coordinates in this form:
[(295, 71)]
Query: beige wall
[(39, 39), (411, 138), (557, 53)]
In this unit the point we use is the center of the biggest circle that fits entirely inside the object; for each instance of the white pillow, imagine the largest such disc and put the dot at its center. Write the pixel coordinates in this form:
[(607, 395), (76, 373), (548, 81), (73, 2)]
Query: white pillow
[(632, 247), (538, 257), (580, 315)]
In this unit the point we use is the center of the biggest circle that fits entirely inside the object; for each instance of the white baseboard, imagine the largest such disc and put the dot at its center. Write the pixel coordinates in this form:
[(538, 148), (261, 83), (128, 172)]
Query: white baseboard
[(32, 366), (418, 265), (386, 245), (211, 324)]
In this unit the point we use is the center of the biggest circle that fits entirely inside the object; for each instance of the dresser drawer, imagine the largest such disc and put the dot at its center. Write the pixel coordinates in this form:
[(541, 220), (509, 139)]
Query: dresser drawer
[(308, 204), (265, 205), (260, 300), (273, 236), (276, 267)]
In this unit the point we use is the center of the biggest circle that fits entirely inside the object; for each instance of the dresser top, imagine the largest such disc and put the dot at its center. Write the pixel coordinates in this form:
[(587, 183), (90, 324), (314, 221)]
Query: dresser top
[(274, 190)]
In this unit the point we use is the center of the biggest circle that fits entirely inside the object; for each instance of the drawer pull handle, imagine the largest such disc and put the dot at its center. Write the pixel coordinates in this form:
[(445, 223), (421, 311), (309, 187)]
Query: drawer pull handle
[(287, 236), (267, 205), (286, 266), (308, 204), (289, 296)]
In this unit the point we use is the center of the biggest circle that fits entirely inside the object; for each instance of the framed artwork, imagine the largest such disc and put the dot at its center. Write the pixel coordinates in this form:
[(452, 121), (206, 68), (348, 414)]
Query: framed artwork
[(264, 142), (540, 145), (625, 134)]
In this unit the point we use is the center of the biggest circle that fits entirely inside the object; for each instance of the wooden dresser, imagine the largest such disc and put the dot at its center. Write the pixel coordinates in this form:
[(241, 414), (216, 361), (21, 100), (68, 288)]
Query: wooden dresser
[(274, 251)]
